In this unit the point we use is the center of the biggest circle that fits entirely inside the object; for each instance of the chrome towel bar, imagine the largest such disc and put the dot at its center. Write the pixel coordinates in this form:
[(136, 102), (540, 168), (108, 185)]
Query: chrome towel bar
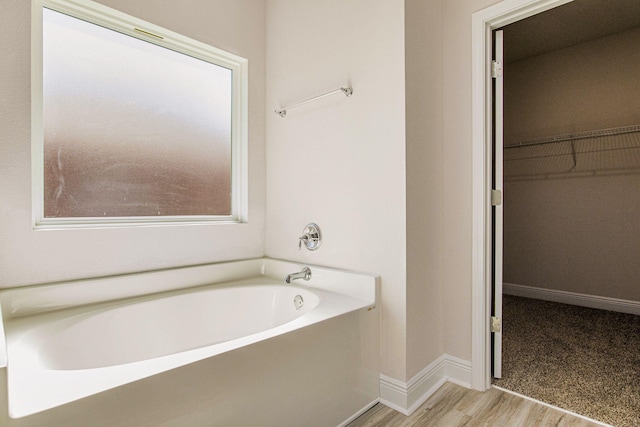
[(347, 91)]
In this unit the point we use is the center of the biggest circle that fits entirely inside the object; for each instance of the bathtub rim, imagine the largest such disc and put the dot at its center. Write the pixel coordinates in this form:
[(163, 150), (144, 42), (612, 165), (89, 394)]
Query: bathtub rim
[(60, 295)]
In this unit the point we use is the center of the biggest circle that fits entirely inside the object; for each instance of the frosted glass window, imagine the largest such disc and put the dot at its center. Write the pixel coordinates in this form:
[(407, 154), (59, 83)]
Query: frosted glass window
[(131, 128)]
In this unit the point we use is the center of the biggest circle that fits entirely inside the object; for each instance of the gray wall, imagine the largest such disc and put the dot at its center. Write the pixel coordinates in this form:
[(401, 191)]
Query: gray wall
[(575, 230)]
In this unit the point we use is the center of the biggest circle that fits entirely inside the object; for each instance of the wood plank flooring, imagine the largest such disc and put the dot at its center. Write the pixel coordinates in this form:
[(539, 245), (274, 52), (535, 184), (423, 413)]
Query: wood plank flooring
[(453, 406)]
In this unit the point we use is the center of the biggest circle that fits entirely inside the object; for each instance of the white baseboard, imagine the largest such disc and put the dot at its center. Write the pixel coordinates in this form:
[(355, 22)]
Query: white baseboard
[(406, 397), (583, 300)]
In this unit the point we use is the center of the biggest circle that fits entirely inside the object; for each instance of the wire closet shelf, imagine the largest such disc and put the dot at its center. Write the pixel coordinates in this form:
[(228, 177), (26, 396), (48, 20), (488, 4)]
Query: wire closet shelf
[(591, 152)]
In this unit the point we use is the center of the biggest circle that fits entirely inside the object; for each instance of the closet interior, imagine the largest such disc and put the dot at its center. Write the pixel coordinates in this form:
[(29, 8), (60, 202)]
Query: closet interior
[(572, 155), (572, 207)]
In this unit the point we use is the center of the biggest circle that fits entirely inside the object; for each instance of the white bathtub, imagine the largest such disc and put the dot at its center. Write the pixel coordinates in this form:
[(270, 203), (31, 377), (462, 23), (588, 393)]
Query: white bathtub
[(65, 342)]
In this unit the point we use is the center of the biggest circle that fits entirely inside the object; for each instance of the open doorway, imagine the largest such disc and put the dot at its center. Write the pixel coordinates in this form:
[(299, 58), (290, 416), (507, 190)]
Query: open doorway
[(572, 207)]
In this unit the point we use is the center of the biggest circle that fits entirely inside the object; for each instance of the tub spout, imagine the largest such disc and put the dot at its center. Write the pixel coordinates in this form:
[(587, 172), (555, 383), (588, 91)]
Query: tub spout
[(304, 274)]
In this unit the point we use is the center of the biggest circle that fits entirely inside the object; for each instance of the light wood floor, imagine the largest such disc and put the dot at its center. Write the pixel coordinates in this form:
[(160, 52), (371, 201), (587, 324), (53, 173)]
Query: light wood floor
[(453, 406)]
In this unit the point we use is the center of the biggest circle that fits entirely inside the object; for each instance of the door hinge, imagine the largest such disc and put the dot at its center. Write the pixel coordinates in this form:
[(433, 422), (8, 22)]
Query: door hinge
[(496, 69), (496, 324), (496, 197)]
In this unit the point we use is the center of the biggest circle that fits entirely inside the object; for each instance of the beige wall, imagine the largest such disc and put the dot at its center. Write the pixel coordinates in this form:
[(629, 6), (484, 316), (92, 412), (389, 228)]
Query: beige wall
[(340, 162), (29, 257), (457, 149), (426, 294), (588, 86), (577, 233), (423, 48), (362, 166), (439, 182)]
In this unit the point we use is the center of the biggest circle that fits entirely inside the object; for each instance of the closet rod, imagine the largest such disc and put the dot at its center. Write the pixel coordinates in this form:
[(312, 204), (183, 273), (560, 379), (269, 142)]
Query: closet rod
[(347, 91), (576, 136)]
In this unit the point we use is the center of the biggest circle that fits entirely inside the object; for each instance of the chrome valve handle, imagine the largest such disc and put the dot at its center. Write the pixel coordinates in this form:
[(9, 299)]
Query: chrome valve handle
[(310, 237)]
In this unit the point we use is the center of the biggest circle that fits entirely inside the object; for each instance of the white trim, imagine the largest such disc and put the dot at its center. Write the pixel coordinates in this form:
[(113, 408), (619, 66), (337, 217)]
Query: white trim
[(573, 298), (539, 402), (498, 211), (483, 22), (406, 397)]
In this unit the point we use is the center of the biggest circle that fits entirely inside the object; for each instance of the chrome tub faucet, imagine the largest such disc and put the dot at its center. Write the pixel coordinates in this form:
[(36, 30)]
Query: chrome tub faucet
[(305, 274)]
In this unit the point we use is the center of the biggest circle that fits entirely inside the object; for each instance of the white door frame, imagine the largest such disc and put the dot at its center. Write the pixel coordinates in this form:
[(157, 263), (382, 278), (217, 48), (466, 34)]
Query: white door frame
[(483, 23), (498, 162)]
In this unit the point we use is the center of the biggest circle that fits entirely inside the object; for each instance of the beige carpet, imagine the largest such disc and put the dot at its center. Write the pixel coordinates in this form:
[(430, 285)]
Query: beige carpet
[(583, 360)]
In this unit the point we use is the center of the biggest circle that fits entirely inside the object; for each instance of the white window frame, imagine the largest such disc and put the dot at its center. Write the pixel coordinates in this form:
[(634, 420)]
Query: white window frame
[(104, 16)]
